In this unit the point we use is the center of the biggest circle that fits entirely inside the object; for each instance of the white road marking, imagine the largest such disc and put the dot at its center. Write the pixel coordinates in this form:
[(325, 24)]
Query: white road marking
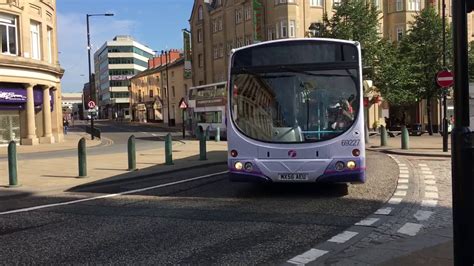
[(307, 257), (400, 193), (422, 165), (343, 237), (402, 181), (410, 229), (426, 173), (144, 133), (111, 195), (368, 221), (154, 135), (429, 177), (431, 195), (402, 187), (404, 176), (430, 182), (429, 203), (403, 171), (395, 201), (425, 169), (402, 164), (431, 188), (423, 215), (384, 211)]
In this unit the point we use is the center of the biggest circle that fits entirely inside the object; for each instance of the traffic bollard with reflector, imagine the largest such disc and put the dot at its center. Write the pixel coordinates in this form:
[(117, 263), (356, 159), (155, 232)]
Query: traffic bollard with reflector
[(168, 150), (383, 136), (202, 148), (405, 140), (132, 159), (12, 167), (82, 160)]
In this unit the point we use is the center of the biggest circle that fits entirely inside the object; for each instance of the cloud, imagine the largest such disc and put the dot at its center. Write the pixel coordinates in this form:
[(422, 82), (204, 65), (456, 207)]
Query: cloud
[(72, 42)]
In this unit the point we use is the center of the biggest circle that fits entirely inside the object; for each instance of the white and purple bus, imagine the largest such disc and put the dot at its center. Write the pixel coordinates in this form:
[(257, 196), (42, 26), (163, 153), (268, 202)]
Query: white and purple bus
[(296, 112)]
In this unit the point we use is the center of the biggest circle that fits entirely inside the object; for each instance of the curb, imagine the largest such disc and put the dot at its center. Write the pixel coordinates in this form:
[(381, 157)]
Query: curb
[(410, 153), (141, 177)]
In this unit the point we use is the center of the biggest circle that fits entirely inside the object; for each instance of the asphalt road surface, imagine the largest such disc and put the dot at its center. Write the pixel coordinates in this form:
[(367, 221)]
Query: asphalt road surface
[(174, 219)]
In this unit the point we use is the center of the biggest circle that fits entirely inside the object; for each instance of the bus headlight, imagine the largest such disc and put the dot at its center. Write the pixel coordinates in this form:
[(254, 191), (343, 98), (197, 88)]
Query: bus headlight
[(248, 167), (238, 165), (339, 166), (351, 165)]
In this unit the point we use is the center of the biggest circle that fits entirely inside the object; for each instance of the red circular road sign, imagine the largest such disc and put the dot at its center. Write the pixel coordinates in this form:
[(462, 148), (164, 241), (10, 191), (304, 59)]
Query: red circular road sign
[(445, 79), (91, 104)]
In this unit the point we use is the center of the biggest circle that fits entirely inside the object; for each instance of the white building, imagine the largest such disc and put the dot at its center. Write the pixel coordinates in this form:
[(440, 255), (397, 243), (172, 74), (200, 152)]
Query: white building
[(115, 63)]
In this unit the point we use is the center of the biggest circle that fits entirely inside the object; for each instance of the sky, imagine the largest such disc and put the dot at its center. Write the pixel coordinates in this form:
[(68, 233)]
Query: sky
[(155, 23)]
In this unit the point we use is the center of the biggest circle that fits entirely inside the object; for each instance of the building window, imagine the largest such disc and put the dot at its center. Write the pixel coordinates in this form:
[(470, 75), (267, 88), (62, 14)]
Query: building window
[(200, 63), (173, 91), (221, 50), (336, 3), (414, 5), (376, 3), (238, 16), (8, 35), (284, 29), (248, 13), (292, 30), (214, 25), (185, 89), (200, 17), (316, 2), (199, 34), (151, 94), (220, 24), (35, 40), (49, 36), (399, 5), (283, 1), (399, 33), (215, 52)]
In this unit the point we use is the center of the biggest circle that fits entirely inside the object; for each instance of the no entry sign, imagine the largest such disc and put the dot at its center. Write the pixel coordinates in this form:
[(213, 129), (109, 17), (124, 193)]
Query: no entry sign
[(445, 79)]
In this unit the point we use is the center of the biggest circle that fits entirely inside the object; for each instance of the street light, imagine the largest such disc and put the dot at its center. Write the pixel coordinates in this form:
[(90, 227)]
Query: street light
[(89, 58), (167, 53)]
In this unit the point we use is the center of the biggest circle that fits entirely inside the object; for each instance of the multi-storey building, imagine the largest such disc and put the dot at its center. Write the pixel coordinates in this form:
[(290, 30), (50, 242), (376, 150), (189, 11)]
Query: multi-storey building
[(150, 94), (217, 26), (30, 89), (115, 63)]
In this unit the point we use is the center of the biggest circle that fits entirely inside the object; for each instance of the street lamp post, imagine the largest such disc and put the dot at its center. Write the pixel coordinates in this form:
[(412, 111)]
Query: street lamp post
[(445, 105), (167, 53), (89, 60)]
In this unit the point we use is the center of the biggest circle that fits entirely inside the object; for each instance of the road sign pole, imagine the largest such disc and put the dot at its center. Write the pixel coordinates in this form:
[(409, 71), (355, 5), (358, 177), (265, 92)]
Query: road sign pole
[(184, 129), (461, 149)]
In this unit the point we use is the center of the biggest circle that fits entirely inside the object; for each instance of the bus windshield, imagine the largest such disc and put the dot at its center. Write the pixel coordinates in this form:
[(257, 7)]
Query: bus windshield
[(294, 105)]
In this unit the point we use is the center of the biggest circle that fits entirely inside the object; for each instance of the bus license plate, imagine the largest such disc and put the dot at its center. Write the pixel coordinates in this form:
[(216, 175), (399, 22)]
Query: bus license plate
[(293, 177)]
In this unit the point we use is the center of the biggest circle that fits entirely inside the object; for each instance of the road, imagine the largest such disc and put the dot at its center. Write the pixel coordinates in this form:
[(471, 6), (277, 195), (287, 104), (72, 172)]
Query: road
[(189, 217)]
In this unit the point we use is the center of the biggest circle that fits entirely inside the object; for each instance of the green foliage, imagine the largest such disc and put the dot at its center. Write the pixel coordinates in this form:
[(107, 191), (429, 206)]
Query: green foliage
[(355, 20), (471, 62), (423, 49)]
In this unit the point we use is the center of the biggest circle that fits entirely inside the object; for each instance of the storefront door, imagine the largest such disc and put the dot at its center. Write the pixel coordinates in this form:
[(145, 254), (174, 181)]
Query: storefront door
[(9, 126)]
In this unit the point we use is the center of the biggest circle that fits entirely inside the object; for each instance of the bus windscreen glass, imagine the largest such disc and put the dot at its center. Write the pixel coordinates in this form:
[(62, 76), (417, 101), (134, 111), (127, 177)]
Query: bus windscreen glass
[(290, 102)]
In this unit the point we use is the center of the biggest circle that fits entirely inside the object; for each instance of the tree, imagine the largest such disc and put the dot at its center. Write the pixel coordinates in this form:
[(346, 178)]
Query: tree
[(471, 61), (356, 20), (422, 49)]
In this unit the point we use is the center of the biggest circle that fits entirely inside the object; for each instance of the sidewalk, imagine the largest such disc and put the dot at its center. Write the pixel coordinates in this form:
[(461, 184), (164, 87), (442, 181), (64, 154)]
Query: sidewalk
[(70, 142), (49, 176), (425, 145)]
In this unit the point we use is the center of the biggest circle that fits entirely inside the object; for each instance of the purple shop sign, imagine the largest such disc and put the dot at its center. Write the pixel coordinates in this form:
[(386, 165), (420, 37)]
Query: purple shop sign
[(15, 98)]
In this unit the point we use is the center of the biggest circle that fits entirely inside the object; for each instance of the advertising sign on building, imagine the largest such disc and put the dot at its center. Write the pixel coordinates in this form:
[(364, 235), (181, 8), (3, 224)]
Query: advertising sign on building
[(121, 77), (258, 20), (187, 54)]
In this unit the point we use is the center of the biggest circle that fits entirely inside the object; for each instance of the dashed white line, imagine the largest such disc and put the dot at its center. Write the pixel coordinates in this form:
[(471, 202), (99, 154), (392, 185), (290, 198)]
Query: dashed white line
[(403, 181), (111, 195), (430, 182), (429, 177), (154, 135), (404, 171), (343, 237), (422, 165), (423, 215), (431, 195), (400, 193), (426, 172), (307, 257), (395, 201), (402, 187), (402, 164), (431, 188), (384, 211), (425, 169), (429, 203), (410, 229), (368, 221), (404, 176)]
